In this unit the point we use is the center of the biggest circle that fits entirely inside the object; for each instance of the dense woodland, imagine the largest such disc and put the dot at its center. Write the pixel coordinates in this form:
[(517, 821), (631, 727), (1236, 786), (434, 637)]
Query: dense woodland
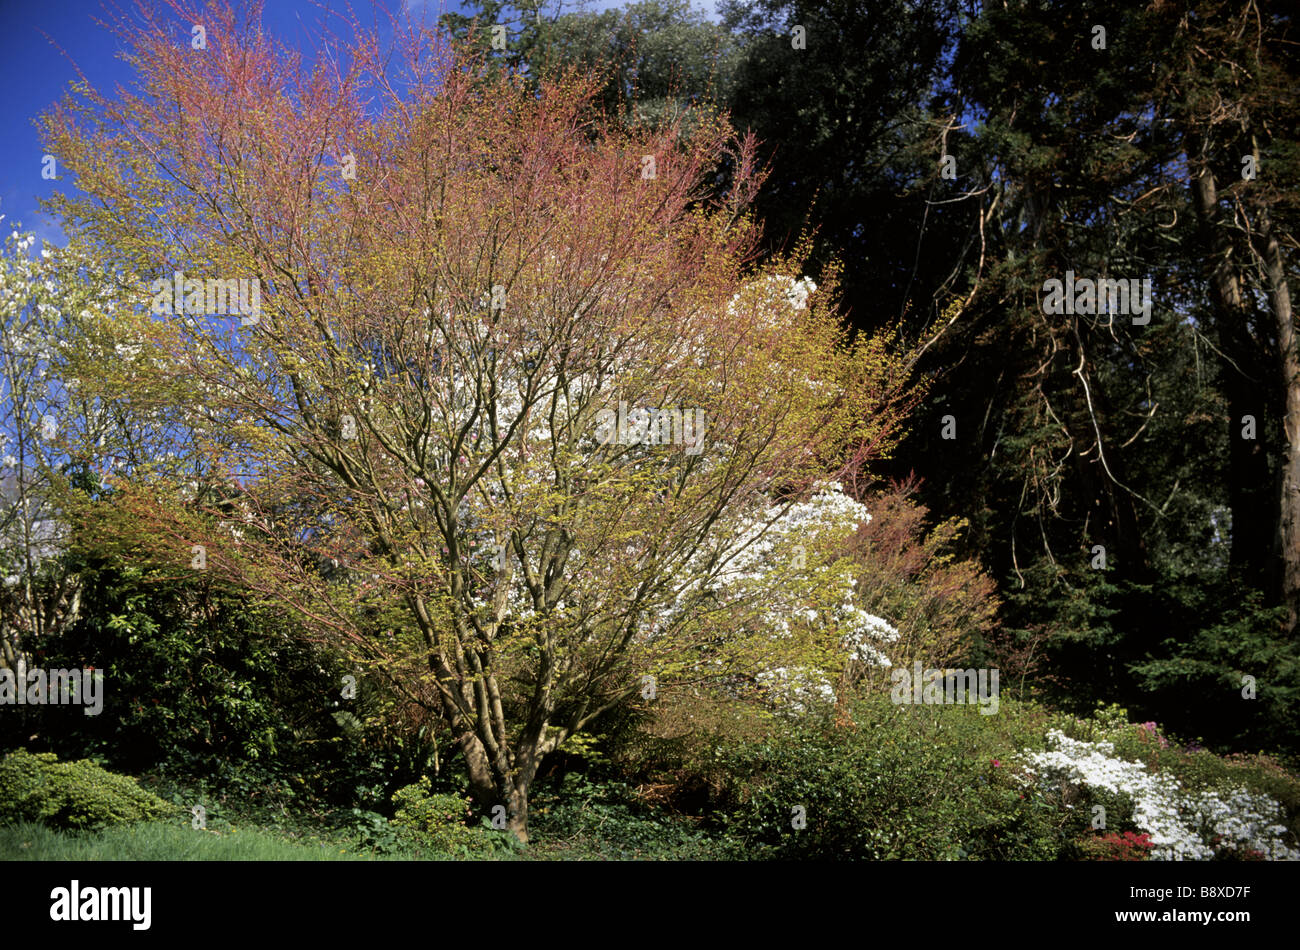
[(1100, 502)]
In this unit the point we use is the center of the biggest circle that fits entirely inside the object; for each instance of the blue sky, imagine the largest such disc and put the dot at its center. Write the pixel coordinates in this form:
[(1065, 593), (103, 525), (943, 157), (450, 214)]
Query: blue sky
[(46, 43), (45, 46)]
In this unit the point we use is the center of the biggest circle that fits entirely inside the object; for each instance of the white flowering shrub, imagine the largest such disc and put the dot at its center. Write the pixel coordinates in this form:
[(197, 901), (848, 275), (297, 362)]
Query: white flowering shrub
[(38, 597), (781, 568), (783, 556), (1182, 825), (795, 290)]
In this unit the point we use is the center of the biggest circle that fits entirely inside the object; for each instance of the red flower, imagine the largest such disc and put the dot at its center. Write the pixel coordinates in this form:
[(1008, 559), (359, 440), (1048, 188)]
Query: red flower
[(1129, 846)]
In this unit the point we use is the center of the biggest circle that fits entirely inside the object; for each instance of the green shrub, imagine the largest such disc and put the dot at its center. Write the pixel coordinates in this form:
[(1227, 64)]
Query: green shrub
[(904, 782), (439, 820), (376, 832), (76, 795)]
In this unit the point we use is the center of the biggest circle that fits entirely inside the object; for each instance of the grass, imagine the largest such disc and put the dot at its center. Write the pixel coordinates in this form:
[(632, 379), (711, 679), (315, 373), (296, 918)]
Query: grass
[(163, 841), (166, 841)]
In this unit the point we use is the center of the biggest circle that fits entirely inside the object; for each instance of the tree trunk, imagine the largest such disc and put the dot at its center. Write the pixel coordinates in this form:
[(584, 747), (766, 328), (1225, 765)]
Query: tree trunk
[(1288, 503), (1254, 513), (517, 811), (490, 788)]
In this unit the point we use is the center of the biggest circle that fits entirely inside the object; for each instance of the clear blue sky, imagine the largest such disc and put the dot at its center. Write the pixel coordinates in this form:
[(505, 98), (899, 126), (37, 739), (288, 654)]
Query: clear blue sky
[(45, 42)]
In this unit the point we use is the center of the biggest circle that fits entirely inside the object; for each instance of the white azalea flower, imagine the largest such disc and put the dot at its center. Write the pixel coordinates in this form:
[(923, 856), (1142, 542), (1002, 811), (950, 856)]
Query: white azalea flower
[(1179, 822)]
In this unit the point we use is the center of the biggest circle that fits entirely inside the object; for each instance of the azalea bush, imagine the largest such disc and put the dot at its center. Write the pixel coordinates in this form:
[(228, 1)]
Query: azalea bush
[(1111, 846), (1182, 823)]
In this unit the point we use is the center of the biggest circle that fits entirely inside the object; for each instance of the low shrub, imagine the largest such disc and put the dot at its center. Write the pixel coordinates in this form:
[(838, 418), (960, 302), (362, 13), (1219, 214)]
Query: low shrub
[(1186, 821), (440, 821), (605, 819), (901, 782), (72, 795), (1130, 846)]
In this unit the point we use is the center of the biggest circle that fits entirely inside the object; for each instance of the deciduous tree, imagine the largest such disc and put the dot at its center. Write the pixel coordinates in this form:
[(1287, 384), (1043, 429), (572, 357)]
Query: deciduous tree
[(511, 408)]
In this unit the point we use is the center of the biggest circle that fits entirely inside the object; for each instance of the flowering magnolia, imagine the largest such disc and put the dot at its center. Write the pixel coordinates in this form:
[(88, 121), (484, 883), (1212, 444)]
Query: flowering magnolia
[(41, 415), (1183, 824)]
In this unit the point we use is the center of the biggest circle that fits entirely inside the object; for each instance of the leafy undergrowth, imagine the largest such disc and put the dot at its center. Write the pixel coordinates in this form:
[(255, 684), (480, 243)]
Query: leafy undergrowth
[(887, 782), (581, 820), (575, 819)]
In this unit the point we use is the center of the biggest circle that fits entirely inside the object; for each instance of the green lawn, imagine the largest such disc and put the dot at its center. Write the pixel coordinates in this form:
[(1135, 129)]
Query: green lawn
[(168, 841), (162, 841)]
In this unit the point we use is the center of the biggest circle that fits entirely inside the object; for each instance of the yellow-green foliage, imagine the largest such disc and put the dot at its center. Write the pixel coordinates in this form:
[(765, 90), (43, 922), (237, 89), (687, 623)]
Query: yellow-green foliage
[(438, 820), (78, 795)]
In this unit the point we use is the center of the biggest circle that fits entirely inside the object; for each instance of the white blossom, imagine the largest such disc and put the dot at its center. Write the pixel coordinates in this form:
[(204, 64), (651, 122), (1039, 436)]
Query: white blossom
[(1182, 824)]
